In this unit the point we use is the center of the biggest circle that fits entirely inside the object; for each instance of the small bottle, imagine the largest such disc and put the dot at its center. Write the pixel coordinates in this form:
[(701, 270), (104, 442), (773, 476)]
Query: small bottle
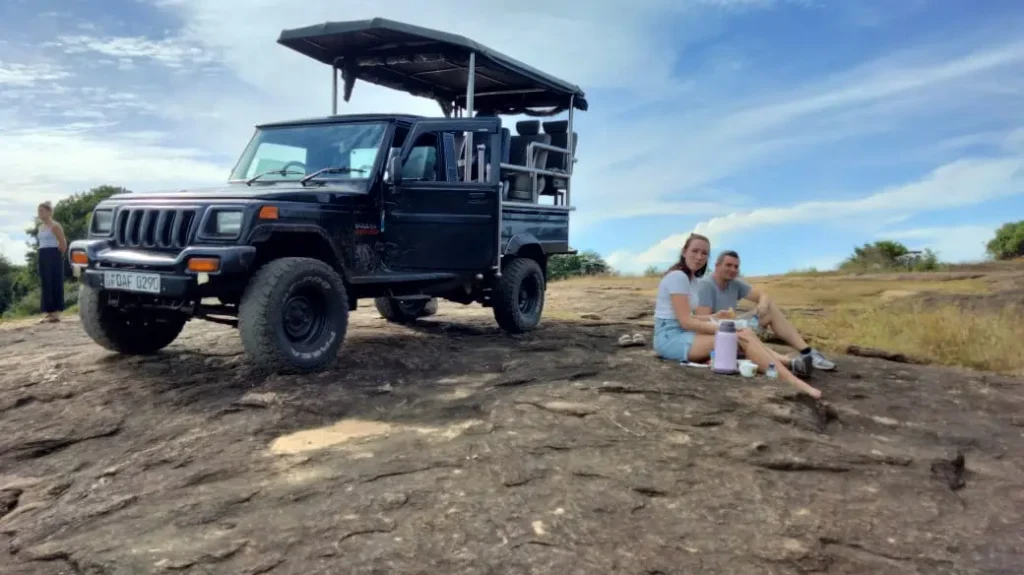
[(771, 372)]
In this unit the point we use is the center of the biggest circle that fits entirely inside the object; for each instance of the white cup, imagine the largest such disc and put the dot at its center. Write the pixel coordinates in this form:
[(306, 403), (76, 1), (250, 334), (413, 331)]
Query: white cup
[(748, 368)]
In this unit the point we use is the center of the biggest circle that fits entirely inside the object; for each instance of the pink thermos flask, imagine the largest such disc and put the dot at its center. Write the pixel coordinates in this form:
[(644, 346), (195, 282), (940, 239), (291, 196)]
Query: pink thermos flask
[(725, 348)]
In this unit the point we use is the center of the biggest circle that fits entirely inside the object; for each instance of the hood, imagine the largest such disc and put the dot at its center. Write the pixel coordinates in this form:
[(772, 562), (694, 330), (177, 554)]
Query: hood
[(240, 191)]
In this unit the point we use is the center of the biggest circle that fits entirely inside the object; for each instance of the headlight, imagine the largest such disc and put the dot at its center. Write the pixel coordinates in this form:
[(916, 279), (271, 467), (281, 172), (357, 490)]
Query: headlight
[(229, 223), (102, 220)]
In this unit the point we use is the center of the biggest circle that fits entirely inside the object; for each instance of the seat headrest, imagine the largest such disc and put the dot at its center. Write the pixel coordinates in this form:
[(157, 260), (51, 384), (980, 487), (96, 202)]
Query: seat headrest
[(556, 127), (528, 127)]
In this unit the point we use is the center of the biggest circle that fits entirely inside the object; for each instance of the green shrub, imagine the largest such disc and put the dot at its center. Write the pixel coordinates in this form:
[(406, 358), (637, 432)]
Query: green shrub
[(1008, 242), (890, 256), (29, 305), (588, 263), (652, 271)]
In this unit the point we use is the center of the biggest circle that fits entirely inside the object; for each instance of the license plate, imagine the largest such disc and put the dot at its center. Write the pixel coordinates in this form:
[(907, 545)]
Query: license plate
[(132, 281)]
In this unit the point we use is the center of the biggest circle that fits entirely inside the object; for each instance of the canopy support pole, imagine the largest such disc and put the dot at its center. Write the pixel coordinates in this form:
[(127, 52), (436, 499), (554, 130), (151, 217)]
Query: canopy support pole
[(470, 93), (571, 156), (334, 91)]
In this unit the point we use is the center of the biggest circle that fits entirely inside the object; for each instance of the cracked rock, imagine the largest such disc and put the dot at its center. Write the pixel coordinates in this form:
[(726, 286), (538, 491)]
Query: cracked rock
[(569, 408)]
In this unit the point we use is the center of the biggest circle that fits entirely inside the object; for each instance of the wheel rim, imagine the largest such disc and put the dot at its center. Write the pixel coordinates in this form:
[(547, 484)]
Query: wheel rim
[(410, 307), (529, 295), (305, 316)]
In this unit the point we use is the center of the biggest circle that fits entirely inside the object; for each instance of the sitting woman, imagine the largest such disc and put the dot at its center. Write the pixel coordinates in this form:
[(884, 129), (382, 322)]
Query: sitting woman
[(680, 335)]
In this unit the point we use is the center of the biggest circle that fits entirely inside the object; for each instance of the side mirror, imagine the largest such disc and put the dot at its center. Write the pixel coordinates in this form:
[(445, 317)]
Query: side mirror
[(394, 170)]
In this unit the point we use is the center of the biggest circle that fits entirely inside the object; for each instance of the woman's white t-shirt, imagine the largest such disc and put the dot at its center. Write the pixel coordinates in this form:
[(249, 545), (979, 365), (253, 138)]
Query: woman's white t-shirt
[(674, 282)]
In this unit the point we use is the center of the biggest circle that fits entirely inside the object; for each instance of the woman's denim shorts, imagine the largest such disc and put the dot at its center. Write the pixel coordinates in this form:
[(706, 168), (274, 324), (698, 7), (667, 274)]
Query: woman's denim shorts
[(672, 341)]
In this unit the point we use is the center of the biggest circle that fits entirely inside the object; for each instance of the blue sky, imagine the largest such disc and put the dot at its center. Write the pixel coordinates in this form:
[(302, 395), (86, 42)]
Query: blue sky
[(789, 130)]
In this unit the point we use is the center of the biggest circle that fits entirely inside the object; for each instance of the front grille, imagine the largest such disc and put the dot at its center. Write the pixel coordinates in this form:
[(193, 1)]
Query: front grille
[(163, 228)]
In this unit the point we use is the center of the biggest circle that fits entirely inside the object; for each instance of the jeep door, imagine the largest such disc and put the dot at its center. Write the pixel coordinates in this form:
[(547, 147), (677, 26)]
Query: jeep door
[(435, 220)]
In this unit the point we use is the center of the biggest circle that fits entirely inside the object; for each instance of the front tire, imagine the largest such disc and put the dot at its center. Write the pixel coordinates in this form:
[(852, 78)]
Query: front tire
[(404, 311), (293, 316), (129, 332), (518, 298)]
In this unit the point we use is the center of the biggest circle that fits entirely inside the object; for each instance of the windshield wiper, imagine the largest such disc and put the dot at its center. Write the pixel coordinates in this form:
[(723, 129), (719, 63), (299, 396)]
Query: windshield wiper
[(282, 171), (331, 170)]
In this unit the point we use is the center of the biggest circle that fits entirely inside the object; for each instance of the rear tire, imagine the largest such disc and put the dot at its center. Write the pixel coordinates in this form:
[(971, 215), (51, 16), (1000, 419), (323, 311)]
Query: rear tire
[(404, 312), (293, 316), (127, 332), (518, 298)]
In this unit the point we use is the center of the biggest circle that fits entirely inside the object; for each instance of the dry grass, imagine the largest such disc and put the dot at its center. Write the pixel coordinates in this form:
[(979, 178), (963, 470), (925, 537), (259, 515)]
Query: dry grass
[(835, 291), (834, 311), (946, 334), (800, 291), (884, 313)]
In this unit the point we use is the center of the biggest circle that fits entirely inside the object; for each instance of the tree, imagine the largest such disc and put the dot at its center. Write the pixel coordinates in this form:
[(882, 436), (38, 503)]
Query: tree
[(73, 214), (880, 255), (888, 255), (927, 261), (8, 278), (1008, 242), (585, 263)]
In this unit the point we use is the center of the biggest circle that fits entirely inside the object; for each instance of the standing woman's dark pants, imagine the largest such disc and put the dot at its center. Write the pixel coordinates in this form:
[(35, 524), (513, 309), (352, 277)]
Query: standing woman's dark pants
[(51, 278)]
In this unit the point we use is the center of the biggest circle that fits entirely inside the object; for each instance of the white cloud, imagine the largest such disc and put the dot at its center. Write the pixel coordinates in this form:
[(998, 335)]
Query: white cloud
[(12, 228), (876, 82), (660, 254), (960, 183), (13, 249), (171, 52), (55, 162), (555, 35), (52, 161), (874, 99), (963, 182), (963, 243), (1015, 141), (16, 75), (652, 144), (667, 161), (610, 47)]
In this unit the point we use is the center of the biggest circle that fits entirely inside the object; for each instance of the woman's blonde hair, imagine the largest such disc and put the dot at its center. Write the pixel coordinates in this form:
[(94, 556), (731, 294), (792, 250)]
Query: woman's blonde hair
[(47, 205)]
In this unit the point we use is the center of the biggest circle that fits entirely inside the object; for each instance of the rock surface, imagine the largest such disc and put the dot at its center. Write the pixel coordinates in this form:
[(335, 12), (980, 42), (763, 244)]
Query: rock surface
[(450, 447)]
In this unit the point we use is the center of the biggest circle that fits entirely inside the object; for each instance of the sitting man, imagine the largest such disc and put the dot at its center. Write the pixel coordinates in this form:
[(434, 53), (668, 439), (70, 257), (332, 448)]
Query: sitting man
[(721, 290)]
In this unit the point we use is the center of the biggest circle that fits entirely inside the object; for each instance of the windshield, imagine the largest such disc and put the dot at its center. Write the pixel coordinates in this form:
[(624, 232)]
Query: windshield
[(290, 153)]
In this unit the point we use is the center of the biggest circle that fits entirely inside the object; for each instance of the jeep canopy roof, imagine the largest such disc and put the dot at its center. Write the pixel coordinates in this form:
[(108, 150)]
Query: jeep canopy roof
[(432, 64)]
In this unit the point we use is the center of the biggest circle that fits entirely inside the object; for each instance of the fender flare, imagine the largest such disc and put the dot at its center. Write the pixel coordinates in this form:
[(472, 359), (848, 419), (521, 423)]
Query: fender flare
[(519, 241), (264, 232)]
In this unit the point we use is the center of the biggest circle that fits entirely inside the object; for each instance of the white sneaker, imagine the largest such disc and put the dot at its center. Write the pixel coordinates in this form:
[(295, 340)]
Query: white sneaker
[(820, 361)]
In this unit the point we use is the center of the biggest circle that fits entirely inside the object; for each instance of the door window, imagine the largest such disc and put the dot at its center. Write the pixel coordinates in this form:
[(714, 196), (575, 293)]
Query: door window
[(423, 161)]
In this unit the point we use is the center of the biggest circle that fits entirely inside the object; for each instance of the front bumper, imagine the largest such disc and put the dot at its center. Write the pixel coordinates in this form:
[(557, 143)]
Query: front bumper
[(171, 286), (176, 280)]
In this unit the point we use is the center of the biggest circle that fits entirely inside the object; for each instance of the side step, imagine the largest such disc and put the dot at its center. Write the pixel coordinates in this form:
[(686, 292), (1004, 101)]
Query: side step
[(401, 277)]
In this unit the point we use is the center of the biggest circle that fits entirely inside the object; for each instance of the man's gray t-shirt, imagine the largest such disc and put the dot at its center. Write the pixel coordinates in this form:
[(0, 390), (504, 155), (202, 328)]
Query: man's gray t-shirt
[(674, 282), (709, 294)]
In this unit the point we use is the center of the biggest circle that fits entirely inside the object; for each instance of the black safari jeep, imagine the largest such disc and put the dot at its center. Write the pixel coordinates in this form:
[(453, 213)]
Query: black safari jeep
[(319, 213)]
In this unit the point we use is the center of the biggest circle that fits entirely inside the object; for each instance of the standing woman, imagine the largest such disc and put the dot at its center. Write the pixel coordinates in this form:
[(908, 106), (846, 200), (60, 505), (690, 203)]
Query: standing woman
[(52, 245)]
